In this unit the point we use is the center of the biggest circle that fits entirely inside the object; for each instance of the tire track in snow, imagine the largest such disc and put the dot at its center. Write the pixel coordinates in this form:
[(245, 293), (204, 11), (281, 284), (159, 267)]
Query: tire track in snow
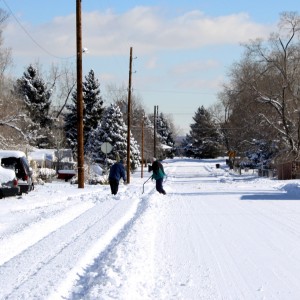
[(129, 271), (59, 252), (99, 272), (42, 222)]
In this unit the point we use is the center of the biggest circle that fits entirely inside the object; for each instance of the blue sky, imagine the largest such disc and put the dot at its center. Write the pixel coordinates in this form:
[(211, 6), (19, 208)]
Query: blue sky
[(183, 49)]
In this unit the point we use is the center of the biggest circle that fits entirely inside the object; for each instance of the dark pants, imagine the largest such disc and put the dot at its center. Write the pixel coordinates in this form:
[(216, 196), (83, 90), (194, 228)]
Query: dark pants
[(114, 186), (159, 186)]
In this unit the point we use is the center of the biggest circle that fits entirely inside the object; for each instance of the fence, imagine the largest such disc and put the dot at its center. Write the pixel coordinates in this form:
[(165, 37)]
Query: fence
[(288, 170)]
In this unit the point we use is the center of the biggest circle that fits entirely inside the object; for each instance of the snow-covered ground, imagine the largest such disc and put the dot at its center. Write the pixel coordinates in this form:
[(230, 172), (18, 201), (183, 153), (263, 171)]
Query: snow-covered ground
[(215, 235)]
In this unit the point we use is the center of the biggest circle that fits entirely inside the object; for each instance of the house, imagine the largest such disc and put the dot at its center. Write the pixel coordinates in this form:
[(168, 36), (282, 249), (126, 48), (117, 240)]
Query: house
[(52, 159)]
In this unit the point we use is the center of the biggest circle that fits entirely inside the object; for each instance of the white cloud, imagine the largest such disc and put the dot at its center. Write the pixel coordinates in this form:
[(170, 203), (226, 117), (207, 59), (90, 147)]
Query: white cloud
[(144, 28), (194, 67), (107, 77), (201, 84), (151, 63)]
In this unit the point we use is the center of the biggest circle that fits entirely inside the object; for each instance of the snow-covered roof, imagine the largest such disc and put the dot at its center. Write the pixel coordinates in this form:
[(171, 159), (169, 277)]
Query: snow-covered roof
[(165, 146), (11, 153), (43, 154), (51, 154)]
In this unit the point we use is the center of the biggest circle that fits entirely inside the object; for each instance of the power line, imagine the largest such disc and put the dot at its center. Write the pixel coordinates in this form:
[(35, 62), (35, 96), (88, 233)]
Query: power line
[(175, 113), (175, 92), (31, 38)]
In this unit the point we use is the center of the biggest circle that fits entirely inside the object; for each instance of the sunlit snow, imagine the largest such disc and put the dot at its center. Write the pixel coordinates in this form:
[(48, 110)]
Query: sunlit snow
[(215, 235)]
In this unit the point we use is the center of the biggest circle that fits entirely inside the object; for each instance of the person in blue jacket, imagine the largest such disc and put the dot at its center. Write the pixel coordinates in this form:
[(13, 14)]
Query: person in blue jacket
[(116, 172), (158, 175)]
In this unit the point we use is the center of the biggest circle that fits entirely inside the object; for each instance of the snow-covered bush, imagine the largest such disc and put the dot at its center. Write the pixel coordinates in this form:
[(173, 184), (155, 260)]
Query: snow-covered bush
[(45, 174), (96, 175), (260, 154), (92, 175)]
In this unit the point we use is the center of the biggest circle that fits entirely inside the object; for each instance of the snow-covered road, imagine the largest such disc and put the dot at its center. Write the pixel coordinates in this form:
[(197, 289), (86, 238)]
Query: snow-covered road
[(214, 235)]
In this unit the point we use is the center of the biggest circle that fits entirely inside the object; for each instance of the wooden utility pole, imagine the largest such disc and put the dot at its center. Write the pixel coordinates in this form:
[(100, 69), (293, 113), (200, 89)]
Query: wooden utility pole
[(142, 166), (129, 117), (155, 125), (80, 153)]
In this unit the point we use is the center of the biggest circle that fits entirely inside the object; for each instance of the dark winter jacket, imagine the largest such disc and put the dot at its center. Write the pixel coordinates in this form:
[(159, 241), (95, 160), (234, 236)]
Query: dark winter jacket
[(117, 171), (158, 170)]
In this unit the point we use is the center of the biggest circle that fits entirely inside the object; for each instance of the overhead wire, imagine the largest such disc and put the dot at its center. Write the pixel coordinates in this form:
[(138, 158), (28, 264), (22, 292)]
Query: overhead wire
[(115, 57), (30, 36), (175, 92)]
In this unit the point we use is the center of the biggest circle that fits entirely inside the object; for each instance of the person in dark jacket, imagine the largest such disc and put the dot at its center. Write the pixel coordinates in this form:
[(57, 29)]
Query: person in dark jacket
[(158, 175), (116, 172)]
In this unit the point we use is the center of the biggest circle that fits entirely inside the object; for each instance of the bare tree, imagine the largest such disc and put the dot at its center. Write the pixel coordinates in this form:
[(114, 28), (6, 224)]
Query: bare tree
[(276, 81), (63, 80), (12, 118), (13, 121), (263, 97), (5, 53)]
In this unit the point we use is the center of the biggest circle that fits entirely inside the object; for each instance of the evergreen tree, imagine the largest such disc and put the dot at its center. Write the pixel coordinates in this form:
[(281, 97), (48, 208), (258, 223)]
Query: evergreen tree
[(92, 111), (260, 154), (93, 103), (204, 139), (36, 96), (114, 131), (165, 135), (187, 145), (70, 125)]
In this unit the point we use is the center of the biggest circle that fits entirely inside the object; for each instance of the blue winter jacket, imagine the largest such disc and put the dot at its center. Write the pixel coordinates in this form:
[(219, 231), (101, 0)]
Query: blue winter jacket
[(117, 171)]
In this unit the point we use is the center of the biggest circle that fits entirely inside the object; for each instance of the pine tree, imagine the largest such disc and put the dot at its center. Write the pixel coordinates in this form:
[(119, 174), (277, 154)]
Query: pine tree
[(70, 125), (165, 135), (204, 139), (92, 111), (93, 103), (36, 96), (114, 131), (187, 145)]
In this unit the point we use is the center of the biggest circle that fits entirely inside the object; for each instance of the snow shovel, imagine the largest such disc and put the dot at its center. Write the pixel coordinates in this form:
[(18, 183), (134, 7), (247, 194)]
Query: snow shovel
[(145, 182)]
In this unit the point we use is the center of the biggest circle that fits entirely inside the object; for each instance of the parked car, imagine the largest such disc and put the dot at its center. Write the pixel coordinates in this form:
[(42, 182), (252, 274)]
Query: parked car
[(8, 183), (17, 161), (66, 174)]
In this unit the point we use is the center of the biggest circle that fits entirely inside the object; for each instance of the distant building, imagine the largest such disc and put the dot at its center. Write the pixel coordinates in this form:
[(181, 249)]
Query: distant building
[(52, 159)]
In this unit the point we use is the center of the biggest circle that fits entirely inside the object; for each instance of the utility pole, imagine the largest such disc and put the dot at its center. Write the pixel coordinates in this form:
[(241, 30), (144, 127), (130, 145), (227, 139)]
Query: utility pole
[(80, 153), (155, 111), (142, 166), (129, 117)]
